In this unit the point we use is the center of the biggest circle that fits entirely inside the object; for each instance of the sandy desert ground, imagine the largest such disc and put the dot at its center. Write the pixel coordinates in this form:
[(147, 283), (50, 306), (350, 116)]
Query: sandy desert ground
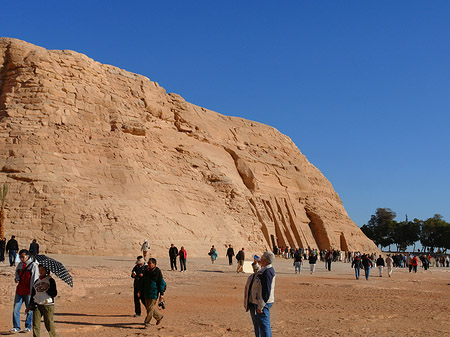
[(208, 301)]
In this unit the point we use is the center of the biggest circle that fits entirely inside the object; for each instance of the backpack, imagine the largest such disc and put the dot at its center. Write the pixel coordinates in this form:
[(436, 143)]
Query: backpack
[(238, 255)]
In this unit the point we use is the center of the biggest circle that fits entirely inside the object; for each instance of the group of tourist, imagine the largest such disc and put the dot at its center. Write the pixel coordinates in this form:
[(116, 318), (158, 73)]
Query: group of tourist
[(35, 288), (149, 285)]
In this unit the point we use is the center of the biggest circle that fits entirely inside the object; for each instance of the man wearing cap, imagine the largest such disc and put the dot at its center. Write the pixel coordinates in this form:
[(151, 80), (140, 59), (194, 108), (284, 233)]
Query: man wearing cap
[(137, 273), (259, 295)]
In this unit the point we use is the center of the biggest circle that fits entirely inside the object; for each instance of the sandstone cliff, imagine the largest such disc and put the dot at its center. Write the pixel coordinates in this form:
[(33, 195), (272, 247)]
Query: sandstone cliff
[(99, 158)]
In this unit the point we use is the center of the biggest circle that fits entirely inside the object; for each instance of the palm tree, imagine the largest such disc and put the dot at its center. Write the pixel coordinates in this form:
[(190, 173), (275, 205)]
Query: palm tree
[(3, 193)]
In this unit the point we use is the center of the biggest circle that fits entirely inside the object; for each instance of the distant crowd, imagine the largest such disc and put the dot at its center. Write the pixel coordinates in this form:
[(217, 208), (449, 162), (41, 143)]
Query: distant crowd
[(36, 289)]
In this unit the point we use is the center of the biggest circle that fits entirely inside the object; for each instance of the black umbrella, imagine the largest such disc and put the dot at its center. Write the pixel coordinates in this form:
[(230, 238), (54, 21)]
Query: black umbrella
[(55, 267)]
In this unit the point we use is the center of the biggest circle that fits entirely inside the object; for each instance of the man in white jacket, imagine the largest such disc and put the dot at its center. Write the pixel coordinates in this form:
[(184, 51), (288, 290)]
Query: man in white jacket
[(259, 295)]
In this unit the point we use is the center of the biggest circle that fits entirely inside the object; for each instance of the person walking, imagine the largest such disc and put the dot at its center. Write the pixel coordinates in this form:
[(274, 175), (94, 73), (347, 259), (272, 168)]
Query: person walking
[(173, 253), (298, 260), (34, 248), (183, 255), (357, 264), (328, 260), (2, 249), (312, 262), (259, 295), (12, 248), (414, 263), (145, 248), (151, 287), (230, 254), (137, 273), (27, 273), (43, 302), (240, 256), (213, 254), (380, 265), (389, 265), (367, 264)]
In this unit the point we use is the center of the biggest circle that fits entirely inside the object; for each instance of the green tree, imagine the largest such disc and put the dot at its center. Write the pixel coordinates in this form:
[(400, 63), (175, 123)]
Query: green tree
[(381, 226), (433, 232)]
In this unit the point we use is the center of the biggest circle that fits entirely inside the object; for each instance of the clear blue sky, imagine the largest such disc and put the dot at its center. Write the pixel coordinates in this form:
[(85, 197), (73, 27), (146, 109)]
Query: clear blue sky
[(362, 87)]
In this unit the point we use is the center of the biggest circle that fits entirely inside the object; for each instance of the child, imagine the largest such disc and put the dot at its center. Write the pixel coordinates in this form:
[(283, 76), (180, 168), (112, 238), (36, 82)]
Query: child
[(42, 302)]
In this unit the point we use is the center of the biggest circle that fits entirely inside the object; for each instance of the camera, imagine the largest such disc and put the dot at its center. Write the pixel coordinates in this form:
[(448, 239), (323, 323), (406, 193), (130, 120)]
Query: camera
[(162, 305)]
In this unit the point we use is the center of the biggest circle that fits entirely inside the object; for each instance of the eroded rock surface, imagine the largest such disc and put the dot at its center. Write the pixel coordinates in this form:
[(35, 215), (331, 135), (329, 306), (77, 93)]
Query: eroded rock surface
[(99, 158)]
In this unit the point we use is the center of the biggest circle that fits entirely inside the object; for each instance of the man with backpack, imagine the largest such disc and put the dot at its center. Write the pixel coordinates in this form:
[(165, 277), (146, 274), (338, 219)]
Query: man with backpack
[(240, 257), (27, 272)]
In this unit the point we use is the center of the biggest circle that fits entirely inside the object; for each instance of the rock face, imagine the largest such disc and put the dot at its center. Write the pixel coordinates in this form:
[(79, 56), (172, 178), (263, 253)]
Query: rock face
[(99, 158)]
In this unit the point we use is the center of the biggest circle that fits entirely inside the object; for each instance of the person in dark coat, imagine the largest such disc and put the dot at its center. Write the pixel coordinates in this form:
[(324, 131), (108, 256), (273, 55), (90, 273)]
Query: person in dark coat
[(12, 248), (328, 260), (380, 264), (357, 264), (137, 273), (230, 254), (173, 254), (367, 264), (312, 262), (34, 248), (2, 249), (151, 287)]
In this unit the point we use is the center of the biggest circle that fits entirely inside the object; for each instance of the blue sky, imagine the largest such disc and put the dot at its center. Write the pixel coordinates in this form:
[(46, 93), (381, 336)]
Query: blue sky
[(362, 88)]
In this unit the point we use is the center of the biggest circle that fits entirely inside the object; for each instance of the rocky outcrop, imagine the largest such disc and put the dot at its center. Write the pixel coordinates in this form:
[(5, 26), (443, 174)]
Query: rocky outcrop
[(98, 158)]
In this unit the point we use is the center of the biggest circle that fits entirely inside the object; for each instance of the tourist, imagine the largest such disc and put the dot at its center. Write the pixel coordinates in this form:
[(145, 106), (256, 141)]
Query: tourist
[(2, 249), (137, 273), (240, 257), (367, 264), (183, 255), (11, 248), (213, 254), (298, 261), (230, 254), (312, 262), (357, 264), (259, 295), (145, 248), (34, 248), (255, 265), (389, 264), (43, 302), (414, 263), (328, 259), (380, 265), (173, 253), (408, 262), (152, 287), (27, 273)]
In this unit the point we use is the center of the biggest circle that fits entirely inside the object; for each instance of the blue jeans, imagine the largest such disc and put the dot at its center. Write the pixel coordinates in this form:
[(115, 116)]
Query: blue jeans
[(183, 264), (12, 257), (18, 300), (366, 272), (357, 273), (261, 322)]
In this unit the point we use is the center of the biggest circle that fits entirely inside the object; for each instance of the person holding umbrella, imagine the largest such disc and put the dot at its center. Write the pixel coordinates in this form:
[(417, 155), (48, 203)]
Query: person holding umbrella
[(42, 302)]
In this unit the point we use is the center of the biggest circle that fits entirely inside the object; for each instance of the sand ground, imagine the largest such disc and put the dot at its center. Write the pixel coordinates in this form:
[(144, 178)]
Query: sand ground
[(207, 300)]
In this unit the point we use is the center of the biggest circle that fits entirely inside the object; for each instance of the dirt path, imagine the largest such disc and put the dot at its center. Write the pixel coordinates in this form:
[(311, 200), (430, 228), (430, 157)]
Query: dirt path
[(207, 301)]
